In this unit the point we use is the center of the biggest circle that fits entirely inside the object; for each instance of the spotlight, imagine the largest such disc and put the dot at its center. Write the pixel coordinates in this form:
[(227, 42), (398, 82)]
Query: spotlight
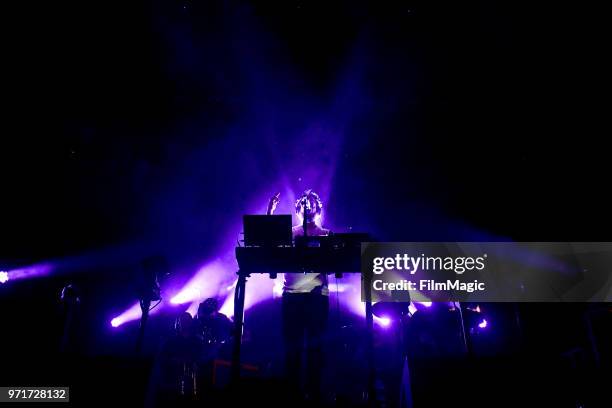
[(185, 296), (277, 290), (483, 324), (383, 321), (131, 314), (474, 309), (203, 284), (26, 272), (412, 309)]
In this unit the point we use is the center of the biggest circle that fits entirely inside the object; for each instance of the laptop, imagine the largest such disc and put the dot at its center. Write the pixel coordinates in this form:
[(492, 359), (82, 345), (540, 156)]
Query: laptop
[(267, 230)]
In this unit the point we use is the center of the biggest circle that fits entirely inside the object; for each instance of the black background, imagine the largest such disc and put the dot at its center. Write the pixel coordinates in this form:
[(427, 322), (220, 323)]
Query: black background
[(491, 112)]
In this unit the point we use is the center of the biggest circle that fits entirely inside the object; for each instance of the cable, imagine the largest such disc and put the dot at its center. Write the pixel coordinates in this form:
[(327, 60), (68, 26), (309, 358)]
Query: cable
[(155, 305)]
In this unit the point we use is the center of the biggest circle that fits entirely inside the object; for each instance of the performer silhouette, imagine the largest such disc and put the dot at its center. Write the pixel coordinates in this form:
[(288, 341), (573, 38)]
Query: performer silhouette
[(305, 306)]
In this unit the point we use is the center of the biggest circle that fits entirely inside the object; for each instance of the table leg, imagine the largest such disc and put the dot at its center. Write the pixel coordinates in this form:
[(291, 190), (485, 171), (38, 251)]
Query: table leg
[(238, 326), (371, 397)]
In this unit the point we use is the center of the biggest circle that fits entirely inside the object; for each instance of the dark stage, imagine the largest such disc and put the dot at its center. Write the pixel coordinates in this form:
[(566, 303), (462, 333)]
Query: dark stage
[(136, 136)]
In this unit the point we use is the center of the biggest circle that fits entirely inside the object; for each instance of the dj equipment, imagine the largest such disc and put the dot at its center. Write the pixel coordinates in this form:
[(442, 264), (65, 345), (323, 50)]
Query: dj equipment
[(335, 254), (267, 230), (298, 260)]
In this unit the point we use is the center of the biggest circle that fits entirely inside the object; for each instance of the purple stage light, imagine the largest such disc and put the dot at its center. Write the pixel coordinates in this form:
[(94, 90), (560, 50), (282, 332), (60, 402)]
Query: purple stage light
[(33, 271), (483, 324), (384, 321), (277, 289), (233, 285), (339, 287), (228, 306), (4, 276), (258, 289), (131, 314), (206, 283), (193, 308), (186, 295), (426, 304), (474, 309), (412, 308), (350, 299)]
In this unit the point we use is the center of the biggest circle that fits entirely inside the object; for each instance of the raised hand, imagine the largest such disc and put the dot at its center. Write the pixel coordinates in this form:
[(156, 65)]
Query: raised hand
[(273, 203)]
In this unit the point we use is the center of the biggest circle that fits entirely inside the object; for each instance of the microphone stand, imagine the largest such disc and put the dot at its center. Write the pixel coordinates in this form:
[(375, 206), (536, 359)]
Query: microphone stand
[(145, 305), (306, 206)]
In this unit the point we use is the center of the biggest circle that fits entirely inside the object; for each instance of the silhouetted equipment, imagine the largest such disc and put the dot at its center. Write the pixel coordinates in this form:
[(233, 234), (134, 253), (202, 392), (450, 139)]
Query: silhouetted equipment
[(69, 296), (267, 230), (154, 268), (322, 254), (298, 259)]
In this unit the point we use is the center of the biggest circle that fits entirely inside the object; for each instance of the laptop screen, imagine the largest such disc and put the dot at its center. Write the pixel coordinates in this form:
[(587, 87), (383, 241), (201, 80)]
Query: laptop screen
[(267, 230)]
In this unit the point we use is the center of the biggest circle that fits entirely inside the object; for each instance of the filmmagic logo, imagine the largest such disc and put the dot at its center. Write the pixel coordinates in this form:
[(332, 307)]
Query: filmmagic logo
[(411, 264)]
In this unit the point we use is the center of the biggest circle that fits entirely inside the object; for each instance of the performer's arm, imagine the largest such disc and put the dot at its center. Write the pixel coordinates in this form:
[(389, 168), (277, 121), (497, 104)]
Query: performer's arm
[(272, 204)]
